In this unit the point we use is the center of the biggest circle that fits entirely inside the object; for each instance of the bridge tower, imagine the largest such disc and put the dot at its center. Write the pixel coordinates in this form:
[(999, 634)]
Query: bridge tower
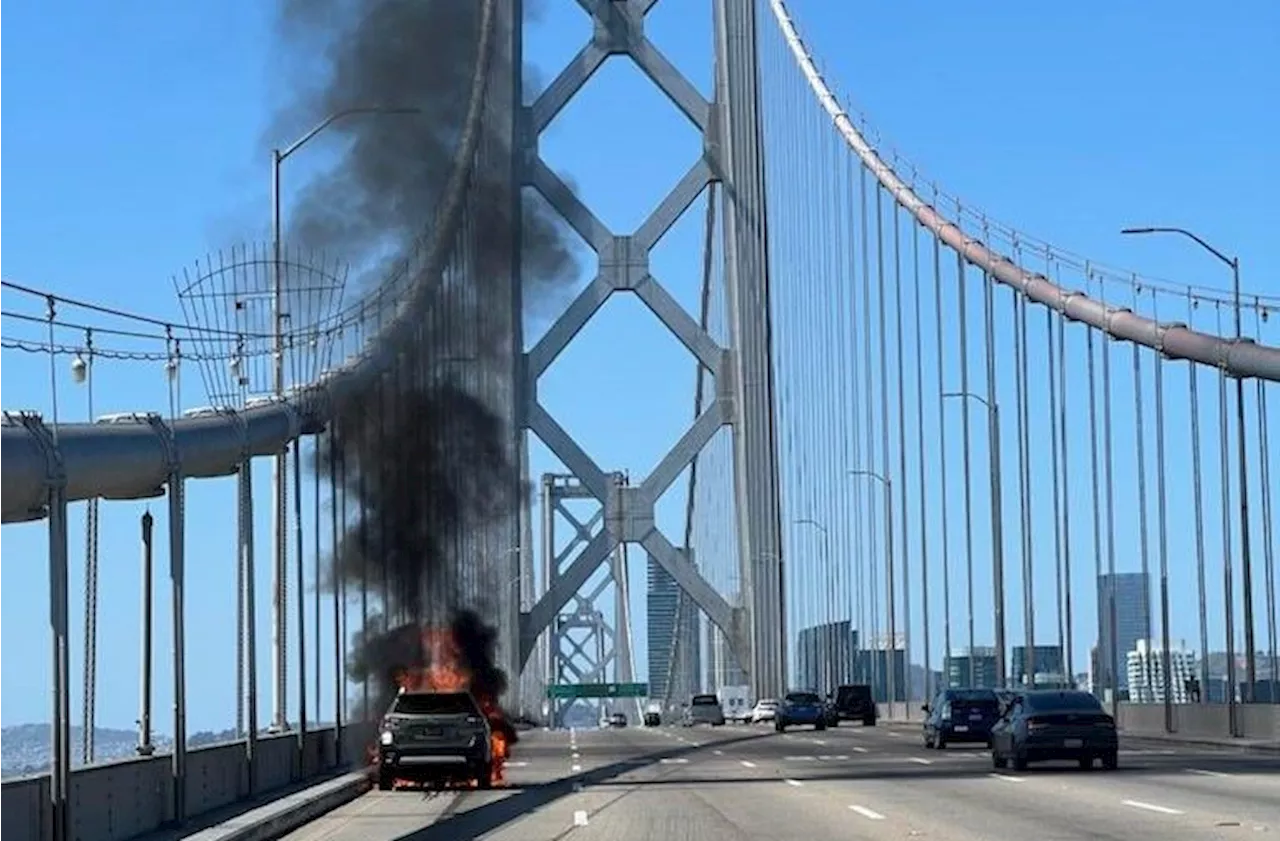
[(731, 159)]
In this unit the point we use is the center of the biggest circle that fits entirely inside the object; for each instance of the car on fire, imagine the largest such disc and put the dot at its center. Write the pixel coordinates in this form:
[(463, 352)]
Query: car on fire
[(435, 737)]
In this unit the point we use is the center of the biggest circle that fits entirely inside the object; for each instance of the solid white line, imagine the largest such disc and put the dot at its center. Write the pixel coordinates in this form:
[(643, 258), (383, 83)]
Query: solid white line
[(920, 760), (746, 764), (795, 783), (1151, 807), (580, 818), (1205, 773), (1007, 778), (869, 814)]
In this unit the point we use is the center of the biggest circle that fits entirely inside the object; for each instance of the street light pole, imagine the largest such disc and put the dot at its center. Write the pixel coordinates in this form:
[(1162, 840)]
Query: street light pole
[(1246, 560), (279, 491), (891, 648), (997, 526)]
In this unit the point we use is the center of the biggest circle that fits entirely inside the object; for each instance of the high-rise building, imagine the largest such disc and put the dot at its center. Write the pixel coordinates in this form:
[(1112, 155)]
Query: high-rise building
[(674, 649), (873, 664), (1048, 665), (1145, 667), (1131, 594), (986, 674), (824, 656)]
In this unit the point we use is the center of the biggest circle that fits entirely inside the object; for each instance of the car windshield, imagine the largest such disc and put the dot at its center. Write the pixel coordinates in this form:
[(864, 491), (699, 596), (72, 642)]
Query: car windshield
[(803, 698), (433, 703), (1043, 701), (705, 700)]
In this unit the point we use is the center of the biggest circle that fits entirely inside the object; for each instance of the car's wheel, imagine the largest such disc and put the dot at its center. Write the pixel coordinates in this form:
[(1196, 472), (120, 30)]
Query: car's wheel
[(1086, 762), (484, 776), (868, 722), (998, 760), (821, 725), (940, 742), (1110, 760), (1019, 762), (386, 780)]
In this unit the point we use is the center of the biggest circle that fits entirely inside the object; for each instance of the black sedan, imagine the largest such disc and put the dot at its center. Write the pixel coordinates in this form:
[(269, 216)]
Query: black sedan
[(1052, 725)]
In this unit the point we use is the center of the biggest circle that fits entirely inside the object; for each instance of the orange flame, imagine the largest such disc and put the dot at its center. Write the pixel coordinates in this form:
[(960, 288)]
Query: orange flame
[(446, 673)]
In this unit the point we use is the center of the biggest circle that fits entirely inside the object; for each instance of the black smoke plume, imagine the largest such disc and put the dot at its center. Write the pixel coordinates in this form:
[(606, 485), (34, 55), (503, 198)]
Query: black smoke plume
[(424, 453)]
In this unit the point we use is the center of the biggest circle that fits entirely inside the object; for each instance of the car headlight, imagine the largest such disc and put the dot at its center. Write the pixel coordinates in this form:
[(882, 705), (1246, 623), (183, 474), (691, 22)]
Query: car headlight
[(386, 737)]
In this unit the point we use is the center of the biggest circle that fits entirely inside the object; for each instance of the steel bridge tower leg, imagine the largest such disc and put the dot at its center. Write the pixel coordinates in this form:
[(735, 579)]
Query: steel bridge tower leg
[(731, 155)]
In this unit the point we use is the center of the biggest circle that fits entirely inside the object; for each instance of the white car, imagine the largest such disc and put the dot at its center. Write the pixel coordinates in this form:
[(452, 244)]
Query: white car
[(765, 710)]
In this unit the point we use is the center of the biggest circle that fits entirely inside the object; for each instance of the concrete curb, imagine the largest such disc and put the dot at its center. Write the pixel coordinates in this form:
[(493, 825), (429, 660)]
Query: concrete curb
[(1204, 741), (282, 816)]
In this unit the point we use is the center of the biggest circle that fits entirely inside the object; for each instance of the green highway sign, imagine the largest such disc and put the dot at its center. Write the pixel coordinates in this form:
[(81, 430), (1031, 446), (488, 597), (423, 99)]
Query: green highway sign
[(597, 690)]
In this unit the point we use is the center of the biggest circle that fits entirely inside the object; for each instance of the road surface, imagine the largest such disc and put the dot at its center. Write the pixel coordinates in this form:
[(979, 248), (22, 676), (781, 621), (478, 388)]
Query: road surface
[(741, 782)]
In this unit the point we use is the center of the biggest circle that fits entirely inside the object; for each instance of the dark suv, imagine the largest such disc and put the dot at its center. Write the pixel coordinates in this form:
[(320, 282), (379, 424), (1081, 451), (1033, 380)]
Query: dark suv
[(852, 702), (434, 736), (960, 715)]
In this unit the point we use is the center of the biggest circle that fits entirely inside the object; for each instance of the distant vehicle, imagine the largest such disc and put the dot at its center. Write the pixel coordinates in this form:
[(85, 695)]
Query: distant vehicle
[(852, 702), (704, 709), (618, 720), (652, 719), (764, 710), (801, 708), (960, 715), (1054, 724), (735, 701), (434, 736)]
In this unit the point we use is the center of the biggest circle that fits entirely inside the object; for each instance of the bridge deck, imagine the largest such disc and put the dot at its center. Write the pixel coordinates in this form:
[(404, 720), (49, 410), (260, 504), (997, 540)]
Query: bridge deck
[(743, 782)]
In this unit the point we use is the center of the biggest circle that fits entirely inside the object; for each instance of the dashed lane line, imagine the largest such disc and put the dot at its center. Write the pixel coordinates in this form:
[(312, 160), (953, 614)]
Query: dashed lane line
[(1204, 773), (1007, 778), (795, 783), (1152, 807), (920, 761), (746, 764), (580, 818), (869, 814)]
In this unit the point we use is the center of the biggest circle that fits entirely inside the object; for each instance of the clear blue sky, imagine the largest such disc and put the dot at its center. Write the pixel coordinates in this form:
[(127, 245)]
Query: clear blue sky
[(137, 144)]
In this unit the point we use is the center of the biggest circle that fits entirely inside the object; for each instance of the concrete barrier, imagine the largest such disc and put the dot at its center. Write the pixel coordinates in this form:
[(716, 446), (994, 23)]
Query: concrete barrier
[(114, 801), (1256, 723)]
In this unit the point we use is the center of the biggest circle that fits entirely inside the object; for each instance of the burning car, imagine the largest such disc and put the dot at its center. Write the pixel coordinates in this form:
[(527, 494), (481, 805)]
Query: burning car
[(436, 736), (443, 726)]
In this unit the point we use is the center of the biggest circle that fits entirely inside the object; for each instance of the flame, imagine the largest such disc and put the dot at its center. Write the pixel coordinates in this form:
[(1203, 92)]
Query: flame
[(445, 672)]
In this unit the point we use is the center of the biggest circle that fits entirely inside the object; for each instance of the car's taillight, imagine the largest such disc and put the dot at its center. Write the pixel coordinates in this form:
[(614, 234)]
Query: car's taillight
[(1106, 723), (1036, 724)]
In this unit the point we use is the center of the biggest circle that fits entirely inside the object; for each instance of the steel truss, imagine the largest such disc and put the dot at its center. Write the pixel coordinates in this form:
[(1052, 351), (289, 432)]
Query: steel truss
[(731, 131)]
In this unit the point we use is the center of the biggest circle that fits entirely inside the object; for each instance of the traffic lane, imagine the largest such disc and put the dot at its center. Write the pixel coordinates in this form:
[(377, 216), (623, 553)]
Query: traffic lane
[(550, 778), (1148, 789), (709, 795)]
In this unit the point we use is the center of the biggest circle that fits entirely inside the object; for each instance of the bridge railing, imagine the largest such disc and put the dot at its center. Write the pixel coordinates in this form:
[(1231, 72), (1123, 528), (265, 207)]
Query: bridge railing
[(125, 798)]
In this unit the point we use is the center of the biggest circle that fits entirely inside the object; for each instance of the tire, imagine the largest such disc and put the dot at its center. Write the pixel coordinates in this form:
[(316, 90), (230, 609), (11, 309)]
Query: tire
[(998, 761), (1019, 763), (386, 780), (484, 777), (779, 727), (940, 742), (820, 726), (868, 722), (1085, 762), (1110, 760)]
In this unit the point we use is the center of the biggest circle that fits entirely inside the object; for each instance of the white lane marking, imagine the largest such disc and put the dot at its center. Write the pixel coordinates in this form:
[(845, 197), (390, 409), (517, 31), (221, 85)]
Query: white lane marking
[(673, 761), (818, 741), (718, 752), (576, 768), (1007, 778), (834, 758), (580, 818), (893, 733), (1152, 807), (800, 758), (795, 783), (517, 764), (920, 761), (746, 764), (859, 749), (1205, 773), (577, 755), (869, 814)]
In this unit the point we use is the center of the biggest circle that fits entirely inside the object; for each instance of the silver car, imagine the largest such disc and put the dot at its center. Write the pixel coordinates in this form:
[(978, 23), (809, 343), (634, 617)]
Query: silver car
[(704, 709)]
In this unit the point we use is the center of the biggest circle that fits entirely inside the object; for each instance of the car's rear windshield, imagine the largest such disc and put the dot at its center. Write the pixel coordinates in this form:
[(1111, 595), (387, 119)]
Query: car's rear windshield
[(705, 700), (804, 698), (1047, 701), (434, 703), (853, 693)]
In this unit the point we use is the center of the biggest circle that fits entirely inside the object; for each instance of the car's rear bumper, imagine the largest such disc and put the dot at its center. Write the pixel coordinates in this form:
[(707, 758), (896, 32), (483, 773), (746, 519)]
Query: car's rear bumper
[(1059, 745), (975, 732)]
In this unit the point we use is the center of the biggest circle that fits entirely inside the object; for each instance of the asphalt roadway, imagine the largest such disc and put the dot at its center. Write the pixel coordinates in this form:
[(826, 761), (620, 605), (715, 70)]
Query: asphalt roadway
[(741, 782)]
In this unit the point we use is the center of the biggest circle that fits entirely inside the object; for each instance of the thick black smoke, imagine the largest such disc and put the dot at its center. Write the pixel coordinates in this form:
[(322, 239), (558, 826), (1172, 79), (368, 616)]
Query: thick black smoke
[(425, 455)]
